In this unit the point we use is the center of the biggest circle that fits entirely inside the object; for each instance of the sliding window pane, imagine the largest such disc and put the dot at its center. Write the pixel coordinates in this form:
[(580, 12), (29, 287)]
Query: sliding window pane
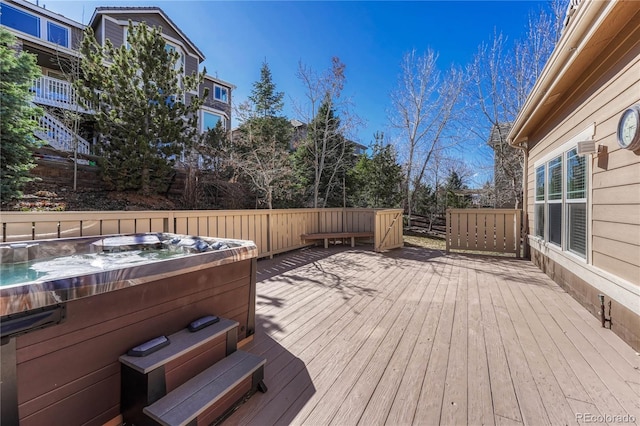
[(555, 179), (576, 176), (577, 238), (555, 223), (20, 20), (540, 183), (57, 34), (539, 220)]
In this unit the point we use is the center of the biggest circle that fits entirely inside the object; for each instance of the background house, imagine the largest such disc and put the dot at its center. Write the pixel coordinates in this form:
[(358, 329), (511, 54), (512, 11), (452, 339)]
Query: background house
[(55, 40), (507, 168), (584, 209)]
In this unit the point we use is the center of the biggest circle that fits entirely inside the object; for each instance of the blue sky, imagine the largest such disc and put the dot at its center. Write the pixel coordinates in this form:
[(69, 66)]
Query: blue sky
[(369, 37)]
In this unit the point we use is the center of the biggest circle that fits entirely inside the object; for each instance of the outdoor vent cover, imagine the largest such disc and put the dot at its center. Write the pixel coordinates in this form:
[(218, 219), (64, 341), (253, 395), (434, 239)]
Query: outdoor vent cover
[(586, 147)]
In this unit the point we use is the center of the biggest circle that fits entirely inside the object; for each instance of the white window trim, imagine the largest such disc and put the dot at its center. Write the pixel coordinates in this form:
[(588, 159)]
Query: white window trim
[(563, 247), (585, 135), (61, 26), (215, 112), (555, 201), (43, 39), (222, 87)]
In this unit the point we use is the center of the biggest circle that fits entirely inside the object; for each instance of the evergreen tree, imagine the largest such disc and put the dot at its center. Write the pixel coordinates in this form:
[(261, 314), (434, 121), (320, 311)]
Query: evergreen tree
[(143, 119), (379, 177), (324, 160), (260, 149), (266, 100), (455, 198), (18, 70)]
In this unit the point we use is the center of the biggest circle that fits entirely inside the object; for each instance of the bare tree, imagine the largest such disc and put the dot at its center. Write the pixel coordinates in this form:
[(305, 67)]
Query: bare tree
[(423, 107), (324, 156), (260, 153), (500, 79)]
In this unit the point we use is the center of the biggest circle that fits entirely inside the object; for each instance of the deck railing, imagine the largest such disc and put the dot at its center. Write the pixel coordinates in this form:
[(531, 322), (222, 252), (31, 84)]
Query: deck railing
[(491, 230), (56, 134), (273, 231), (57, 93)]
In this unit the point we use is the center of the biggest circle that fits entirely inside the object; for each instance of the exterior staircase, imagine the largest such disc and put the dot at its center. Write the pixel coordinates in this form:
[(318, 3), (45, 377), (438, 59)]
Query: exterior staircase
[(51, 94), (199, 377), (55, 133)]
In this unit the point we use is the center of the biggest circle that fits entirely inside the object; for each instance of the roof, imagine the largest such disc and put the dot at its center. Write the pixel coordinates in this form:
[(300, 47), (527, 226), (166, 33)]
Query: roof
[(590, 28), (103, 10)]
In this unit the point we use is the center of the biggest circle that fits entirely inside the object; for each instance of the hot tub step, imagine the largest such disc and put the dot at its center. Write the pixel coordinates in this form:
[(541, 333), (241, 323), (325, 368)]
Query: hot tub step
[(183, 342), (146, 379), (213, 393)]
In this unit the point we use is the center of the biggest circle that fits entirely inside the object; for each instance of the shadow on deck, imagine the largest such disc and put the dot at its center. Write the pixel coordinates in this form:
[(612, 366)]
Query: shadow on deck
[(414, 336)]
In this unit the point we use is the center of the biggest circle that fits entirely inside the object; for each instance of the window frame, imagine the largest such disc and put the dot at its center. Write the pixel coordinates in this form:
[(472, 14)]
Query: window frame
[(67, 35), (215, 93), (566, 152), (576, 201), (221, 116), (37, 19)]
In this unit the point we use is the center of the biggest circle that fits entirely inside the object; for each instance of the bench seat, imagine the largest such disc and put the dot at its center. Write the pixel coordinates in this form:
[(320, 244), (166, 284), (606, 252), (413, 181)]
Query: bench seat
[(326, 236)]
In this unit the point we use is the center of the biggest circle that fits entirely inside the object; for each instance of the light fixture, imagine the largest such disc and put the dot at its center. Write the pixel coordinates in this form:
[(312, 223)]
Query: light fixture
[(586, 147)]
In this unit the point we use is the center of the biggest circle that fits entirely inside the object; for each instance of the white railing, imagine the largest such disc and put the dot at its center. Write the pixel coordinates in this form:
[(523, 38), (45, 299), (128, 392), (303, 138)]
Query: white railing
[(58, 93), (56, 134)]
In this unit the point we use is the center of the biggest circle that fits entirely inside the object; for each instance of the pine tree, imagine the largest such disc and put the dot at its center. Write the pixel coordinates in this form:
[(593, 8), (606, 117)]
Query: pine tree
[(18, 70), (324, 159), (143, 118), (266, 100), (379, 177), (261, 145)]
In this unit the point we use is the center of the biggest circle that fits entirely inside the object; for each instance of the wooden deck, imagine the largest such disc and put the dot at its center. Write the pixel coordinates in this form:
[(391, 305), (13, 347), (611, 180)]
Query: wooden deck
[(418, 337)]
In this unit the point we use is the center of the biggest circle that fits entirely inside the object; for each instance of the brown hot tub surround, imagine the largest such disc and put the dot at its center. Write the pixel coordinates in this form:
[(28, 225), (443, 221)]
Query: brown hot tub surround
[(63, 333)]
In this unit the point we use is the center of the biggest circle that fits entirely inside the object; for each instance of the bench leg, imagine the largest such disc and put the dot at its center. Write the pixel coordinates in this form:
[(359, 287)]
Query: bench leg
[(326, 243), (353, 241)]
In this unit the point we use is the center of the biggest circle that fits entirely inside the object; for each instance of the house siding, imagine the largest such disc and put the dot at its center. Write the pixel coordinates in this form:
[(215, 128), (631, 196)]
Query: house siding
[(615, 183), (210, 101), (190, 65), (598, 98), (114, 32), (97, 30)]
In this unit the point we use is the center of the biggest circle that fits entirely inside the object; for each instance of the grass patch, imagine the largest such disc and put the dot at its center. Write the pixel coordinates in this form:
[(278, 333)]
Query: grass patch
[(424, 239)]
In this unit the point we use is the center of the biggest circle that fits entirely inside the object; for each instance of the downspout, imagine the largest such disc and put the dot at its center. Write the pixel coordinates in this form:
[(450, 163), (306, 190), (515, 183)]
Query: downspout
[(523, 144)]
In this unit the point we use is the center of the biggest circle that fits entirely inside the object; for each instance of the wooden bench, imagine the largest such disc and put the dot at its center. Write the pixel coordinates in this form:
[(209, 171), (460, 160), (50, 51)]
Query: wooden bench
[(208, 396), (326, 236)]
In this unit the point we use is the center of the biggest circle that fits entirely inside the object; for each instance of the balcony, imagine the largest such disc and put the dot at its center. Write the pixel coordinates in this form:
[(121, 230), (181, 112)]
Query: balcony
[(52, 92)]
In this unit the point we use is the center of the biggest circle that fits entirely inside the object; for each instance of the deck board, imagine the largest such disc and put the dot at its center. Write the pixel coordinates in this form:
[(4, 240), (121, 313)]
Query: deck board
[(415, 336)]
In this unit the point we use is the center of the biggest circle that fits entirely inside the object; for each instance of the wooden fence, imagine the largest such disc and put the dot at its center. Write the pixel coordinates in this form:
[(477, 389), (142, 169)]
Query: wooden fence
[(492, 230), (273, 231)]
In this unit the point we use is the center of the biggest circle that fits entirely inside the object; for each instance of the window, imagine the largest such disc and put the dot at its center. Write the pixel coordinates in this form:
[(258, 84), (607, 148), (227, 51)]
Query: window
[(210, 120), (560, 205), (539, 202), (554, 200), (180, 62), (57, 34), (576, 203), (221, 94), (20, 20)]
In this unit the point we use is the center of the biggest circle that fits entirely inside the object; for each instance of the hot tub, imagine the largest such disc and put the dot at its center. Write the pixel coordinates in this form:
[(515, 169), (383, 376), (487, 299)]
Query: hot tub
[(70, 307)]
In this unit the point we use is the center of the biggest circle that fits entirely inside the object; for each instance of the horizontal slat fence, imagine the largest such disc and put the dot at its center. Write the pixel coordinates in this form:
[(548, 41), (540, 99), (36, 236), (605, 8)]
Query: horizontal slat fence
[(273, 231), (491, 230)]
